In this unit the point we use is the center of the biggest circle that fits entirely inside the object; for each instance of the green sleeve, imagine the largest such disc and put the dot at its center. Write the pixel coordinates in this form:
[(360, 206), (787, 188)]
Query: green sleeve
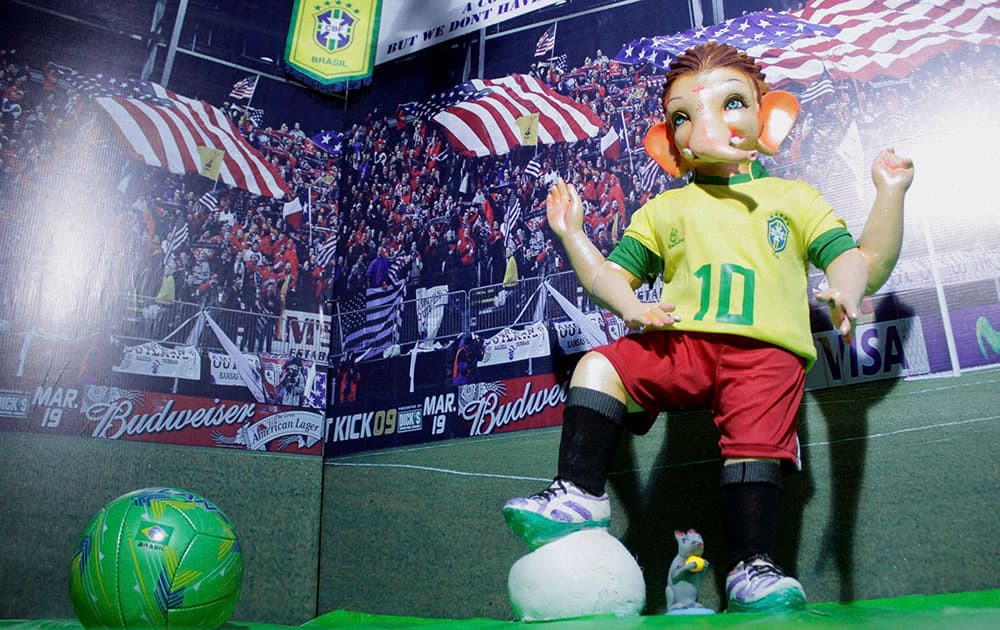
[(637, 259), (829, 245)]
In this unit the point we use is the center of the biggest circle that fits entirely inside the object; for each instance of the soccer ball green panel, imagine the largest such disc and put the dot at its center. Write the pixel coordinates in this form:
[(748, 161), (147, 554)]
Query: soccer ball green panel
[(157, 558)]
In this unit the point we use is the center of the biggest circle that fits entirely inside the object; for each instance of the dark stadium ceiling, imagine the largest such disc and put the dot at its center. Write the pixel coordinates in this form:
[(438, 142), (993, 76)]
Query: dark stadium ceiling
[(241, 32), (249, 33)]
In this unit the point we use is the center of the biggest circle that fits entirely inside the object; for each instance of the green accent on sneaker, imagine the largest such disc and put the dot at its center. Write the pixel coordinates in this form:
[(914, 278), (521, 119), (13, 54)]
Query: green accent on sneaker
[(781, 601), (536, 530)]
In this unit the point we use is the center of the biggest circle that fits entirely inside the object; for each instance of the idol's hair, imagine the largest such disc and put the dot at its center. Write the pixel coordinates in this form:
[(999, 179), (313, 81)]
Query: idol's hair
[(710, 56)]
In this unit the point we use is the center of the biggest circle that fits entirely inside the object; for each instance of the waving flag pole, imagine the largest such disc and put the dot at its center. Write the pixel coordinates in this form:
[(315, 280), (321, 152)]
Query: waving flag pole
[(552, 51), (253, 90), (309, 222), (547, 42), (245, 88), (628, 149)]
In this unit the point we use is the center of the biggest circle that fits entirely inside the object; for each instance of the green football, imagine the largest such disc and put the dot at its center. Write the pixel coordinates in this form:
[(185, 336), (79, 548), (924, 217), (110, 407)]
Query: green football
[(156, 558)]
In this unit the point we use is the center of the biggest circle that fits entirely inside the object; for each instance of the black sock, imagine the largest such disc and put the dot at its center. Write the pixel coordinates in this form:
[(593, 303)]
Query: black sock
[(592, 425), (751, 493)]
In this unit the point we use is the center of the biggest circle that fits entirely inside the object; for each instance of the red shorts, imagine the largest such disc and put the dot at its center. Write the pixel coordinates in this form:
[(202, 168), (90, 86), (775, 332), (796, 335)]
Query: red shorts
[(753, 388)]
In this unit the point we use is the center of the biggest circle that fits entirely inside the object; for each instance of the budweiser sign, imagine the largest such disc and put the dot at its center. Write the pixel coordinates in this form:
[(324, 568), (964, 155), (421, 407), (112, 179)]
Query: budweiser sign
[(117, 414), (510, 405)]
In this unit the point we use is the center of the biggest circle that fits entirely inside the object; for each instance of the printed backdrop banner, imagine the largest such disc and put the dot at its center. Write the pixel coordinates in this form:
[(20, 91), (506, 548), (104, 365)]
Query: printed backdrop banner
[(153, 359), (409, 26), (485, 408), (430, 310), (305, 334), (890, 349), (509, 345), (331, 45), (112, 413), (222, 369), (292, 381), (571, 339)]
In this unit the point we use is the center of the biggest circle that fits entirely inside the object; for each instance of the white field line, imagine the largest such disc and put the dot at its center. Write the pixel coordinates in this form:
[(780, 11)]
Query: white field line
[(538, 432), (928, 427), (810, 398), (446, 471), (463, 473)]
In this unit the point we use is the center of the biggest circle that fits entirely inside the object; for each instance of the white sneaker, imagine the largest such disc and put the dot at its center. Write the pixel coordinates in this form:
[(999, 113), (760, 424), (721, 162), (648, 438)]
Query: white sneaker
[(560, 509), (759, 585)]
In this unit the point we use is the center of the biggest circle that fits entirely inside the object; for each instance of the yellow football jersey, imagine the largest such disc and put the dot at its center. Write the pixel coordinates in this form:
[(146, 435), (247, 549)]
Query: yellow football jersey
[(734, 254)]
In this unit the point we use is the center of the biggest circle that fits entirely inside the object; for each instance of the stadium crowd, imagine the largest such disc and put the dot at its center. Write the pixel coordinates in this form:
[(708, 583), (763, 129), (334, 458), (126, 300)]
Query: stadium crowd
[(397, 191)]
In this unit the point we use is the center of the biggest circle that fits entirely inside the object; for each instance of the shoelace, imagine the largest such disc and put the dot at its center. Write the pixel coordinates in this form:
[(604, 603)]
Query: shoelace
[(557, 487), (766, 568)]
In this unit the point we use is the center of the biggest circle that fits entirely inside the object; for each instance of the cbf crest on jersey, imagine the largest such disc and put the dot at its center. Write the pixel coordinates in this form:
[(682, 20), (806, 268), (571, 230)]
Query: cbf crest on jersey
[(777, 233), (331, 43)]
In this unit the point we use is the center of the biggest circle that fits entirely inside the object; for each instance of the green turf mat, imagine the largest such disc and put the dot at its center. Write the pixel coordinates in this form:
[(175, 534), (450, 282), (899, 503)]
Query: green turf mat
[(968, 611), (73, 624), (915, 612)]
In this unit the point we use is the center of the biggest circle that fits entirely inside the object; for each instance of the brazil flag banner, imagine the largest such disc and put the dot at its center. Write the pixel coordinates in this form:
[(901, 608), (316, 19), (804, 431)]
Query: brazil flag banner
[(331, 43)]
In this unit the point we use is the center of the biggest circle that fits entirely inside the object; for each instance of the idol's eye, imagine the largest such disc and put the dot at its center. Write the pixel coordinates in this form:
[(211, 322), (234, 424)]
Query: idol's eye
[(735, 102), (677, 119)]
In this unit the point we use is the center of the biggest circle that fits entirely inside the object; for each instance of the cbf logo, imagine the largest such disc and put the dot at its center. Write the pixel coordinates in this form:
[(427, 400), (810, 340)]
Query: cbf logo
[(335, 26), (777, 233)]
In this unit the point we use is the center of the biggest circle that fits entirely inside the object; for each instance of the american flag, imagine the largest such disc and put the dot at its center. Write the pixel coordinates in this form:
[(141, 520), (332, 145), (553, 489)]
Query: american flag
[(371, 321), (98, 85), (176, 238), (326, 251), (244, 88), (207, 202), (648, 173), (533, 168), (425, 110), (510, 218), (817, 90), (881, 37), (861, 39), (760, 28), (329, 141), (166, 132), (487, 125), (547, 42)]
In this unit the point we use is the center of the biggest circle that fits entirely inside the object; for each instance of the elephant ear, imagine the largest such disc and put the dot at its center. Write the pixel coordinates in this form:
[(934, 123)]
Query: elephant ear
[(659, 145), (778, 111)]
